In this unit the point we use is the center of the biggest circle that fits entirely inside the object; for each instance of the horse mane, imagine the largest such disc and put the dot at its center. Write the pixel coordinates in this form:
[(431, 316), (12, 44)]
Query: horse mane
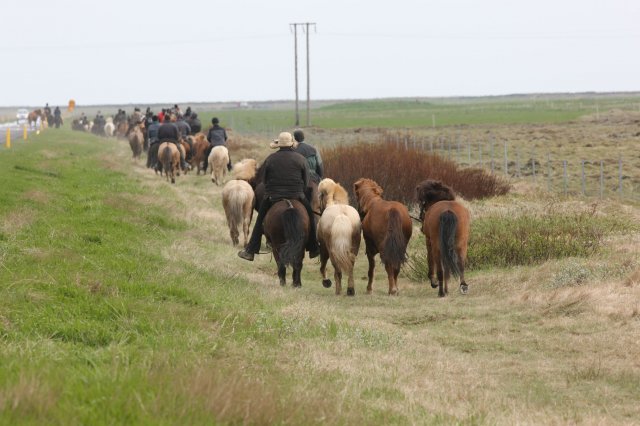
[(331, 192), (430, 192), (366, 190), (245, 169)]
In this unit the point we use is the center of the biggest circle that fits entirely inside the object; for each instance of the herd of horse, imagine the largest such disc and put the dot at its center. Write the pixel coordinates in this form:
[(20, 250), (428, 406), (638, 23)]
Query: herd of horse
[(386, 227)]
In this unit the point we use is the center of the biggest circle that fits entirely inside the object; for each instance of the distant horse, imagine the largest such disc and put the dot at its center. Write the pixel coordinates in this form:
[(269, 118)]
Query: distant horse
[(237, 200), (445, 225), (200, 145), (109, 127), (387, 228), (136, 140), (33, 117), (218, 160), (286, 228), (169, 160), (339, 231), (122, 128)]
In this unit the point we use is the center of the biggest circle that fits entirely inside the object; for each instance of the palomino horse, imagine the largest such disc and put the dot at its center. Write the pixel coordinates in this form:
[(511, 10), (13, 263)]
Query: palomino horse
[(286, 228), (218, 160), (386, 226), (445, 224), (237, 200), (338, 234), (200, 145), (136, 140), (169, 160), (109, 127)]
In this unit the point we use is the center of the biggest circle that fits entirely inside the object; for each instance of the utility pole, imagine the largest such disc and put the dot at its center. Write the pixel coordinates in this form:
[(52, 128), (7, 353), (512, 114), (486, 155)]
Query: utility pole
[(295, 33), (295, 51)]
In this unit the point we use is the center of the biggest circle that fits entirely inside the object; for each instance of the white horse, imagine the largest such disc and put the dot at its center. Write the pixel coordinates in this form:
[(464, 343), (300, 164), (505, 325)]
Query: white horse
[(237, 200), (218, 160), (109, 127), (339, 232)]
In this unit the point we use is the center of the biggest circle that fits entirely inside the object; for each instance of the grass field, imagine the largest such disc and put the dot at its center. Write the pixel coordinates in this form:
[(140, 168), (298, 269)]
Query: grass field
[(122, 301)]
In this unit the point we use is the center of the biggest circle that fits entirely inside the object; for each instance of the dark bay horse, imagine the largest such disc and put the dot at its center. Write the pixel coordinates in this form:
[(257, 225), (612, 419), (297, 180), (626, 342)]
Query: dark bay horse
[(286, 228), (387, 228), (445, 225)]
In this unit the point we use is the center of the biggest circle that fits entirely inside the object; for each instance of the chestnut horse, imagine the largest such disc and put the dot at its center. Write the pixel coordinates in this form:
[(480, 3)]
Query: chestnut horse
[(386, 226), (169, 160), (339, 231), (33, 117), (200, 145), (286, 228), (445, 225)]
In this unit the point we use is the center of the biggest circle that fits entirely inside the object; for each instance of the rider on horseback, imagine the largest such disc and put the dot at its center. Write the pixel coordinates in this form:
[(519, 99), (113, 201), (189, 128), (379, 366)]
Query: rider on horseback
[(168, 132), (286, 176)]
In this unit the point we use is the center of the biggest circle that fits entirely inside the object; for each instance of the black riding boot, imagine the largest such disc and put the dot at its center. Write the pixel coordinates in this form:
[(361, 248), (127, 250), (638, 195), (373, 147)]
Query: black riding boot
[(312, 244), (253, 246)]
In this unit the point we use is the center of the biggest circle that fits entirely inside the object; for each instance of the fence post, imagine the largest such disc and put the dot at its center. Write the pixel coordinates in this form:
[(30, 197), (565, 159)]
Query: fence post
[(7, 142), (584, 185), (24, 132), (518, 163), (620, 175), (601, 178), (480, 153), (431, 145), (564, 176), (506, 160), (549, 172), (533, 165), (469, 151), (491, 154)]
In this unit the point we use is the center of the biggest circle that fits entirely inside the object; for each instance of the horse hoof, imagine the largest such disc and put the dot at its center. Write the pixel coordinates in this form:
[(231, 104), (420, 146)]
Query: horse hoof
[(434, 284), (351, 291), (464, 288), (298, 285), (326, 283)]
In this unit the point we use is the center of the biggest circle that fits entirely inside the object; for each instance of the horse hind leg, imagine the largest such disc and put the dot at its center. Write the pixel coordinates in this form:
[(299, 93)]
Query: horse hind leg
[(297, 275), (351, 289), (391, 275), (464, 287), (282, 274), (337, 275), (324, 257)]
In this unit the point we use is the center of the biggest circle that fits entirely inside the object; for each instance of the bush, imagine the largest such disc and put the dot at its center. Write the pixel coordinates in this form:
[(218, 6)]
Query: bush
[(398, 170)]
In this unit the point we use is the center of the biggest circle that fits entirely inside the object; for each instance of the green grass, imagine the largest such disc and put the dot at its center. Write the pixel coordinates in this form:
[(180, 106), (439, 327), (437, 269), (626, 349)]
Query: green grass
[(122, 302)]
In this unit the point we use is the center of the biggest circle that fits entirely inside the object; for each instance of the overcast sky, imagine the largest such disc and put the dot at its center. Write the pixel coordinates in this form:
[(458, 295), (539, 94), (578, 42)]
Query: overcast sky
[(139, 51)]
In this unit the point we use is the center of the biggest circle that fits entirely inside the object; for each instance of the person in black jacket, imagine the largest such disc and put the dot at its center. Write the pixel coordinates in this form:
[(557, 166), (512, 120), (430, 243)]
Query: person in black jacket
[(194, 122), (286, 175), (217, 136), (316, 170), (168, 132)]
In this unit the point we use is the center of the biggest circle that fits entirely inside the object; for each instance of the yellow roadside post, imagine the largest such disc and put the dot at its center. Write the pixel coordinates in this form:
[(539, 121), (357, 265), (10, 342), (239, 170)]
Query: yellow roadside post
[(8, 141), (24, 132)]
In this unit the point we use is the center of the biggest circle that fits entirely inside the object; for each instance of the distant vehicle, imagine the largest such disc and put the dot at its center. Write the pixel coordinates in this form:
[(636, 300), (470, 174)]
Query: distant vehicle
[(22, 115)]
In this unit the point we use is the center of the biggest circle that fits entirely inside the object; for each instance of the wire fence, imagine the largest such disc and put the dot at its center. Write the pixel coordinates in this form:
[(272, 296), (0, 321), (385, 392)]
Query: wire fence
[(603, 177)]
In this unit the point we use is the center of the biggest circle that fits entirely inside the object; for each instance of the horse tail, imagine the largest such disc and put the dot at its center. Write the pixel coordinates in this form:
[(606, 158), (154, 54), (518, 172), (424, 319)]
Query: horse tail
[(292, 250), (237, 199), (449, 255), (340, 250), (394, 250)]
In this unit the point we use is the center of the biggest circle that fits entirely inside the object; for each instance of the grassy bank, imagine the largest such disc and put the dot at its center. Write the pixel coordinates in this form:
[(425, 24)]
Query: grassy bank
[(122, 301)]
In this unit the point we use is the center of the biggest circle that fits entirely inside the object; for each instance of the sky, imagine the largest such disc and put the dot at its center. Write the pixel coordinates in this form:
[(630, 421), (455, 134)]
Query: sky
[(121, 52)]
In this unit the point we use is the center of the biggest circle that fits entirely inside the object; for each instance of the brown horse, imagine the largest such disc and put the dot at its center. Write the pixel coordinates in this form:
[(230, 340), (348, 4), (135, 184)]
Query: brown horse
[(136, 140), (33, 116), (339, 232), (286, 228), (169, 160), (200, 145), (445, 225), (387, 228)]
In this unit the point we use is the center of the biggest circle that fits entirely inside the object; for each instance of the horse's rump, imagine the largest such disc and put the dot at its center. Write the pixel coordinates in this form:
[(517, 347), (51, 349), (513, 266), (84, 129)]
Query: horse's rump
[(286, 226), (394, 247), (448, 223)]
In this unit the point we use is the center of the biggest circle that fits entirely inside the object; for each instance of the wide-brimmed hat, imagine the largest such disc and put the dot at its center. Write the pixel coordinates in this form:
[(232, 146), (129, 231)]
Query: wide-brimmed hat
[(284, 140)]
